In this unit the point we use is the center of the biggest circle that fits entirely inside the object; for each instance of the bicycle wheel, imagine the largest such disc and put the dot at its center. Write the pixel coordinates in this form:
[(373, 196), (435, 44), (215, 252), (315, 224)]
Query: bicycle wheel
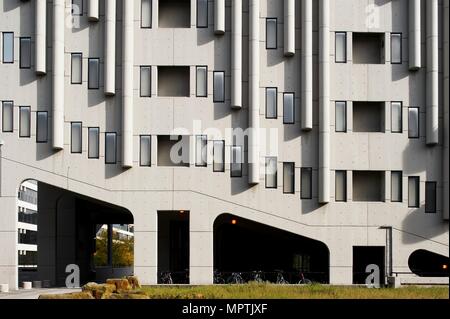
[(305, 282)]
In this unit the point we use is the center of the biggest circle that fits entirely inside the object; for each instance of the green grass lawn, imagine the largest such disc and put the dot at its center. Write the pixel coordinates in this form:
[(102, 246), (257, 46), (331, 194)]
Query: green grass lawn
[(270, 291)]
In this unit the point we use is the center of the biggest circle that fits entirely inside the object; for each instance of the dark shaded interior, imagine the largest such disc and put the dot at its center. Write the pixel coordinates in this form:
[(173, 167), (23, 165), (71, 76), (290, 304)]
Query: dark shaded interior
[(364, 256), (425, 263)]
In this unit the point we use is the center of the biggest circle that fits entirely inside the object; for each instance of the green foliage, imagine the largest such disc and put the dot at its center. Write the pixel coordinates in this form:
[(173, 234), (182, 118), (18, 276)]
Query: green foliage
[(122, 250)]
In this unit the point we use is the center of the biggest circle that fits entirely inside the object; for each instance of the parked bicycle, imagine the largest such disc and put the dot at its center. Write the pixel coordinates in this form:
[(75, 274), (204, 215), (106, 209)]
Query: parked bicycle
[(166, 278), (280, 278), (236, 279), (257, 276), (303, 280), (218, 279)]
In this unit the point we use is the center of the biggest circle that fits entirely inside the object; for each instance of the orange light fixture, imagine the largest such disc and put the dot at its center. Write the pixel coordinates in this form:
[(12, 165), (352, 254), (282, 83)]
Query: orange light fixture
[(233, 221), (445, 267)]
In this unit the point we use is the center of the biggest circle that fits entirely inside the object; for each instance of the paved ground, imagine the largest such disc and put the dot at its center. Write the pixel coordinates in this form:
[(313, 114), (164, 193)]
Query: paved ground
[(35, 293)]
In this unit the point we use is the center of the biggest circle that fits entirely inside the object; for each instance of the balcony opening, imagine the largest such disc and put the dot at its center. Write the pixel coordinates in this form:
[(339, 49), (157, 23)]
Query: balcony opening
[(368, 186), (368, 48), (368, 117), (173, 151), (174, 13), (173, 81)]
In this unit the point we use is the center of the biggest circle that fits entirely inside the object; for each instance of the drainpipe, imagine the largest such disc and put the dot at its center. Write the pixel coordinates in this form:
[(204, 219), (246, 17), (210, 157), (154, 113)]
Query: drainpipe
[(289, 27), (41, 36), (110, 47), (445, 189), (307, 67), (236, 55), (415, 56), (219, 17), (93, 10)]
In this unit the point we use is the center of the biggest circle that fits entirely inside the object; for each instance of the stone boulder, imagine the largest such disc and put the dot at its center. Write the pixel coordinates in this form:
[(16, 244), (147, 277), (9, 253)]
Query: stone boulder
[(134, 282), (121, 284), (99, 291)]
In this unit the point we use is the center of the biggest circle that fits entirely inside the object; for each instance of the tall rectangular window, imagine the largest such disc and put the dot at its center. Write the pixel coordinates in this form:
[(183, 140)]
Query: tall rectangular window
[(110, 148), (396, 48), (202, 81), (288, 108), (396, 117), (77, 7), (413, 191), (25, 53), (236, 161), (340, 186), (413, 122), (271, 172), (201, 150), (41, 127), (146, 81), (288, 178), (271, 33), (271, 103), (8, 47), (146, 14), (202, 13), (430, 197), (341, 116), (341, 47), (396, 186), (219, 87), (76, 68), (306, 183), (94, 142), (7, 116), (94, 73), (219, 156), (76, 137), (145, 156), (24, 121)]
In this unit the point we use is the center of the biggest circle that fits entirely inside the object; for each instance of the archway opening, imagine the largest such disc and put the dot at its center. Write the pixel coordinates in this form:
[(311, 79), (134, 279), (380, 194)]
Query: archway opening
[(425, 263)]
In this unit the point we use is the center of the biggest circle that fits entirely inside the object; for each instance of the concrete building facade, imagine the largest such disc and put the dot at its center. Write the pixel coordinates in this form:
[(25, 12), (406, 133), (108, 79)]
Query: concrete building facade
[(343, 104)]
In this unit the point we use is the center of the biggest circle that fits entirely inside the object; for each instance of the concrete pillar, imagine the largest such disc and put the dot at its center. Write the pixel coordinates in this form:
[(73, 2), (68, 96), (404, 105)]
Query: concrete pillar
[(58, 73), (110, 47), (201, 257), (341, 263), (415, 46), (146, 256), (41, 37), (93, 10), (236, 54), (8, 239), (289, 27), (219, 17), (127, 83), (254, 124), (324, 101), (432, 87), (446, 205), (306, 71)]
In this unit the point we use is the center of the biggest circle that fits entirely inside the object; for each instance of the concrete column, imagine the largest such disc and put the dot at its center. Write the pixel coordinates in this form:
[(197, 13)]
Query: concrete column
[(41, 37), (93, 9), (127, 83), (110, 47), (219, 17), (307, 75), (201, 258), (58, 74), (446, 205), (254, 50), (236, 54), (324, 101), (432, 99), (415, 47), (289, 27), (8, 239)]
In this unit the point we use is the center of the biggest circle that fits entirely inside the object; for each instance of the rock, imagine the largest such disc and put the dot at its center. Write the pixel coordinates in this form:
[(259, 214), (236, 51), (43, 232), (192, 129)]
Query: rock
[(99, 290), (128, 296), (121, 284), (134, 282), (75, 295)]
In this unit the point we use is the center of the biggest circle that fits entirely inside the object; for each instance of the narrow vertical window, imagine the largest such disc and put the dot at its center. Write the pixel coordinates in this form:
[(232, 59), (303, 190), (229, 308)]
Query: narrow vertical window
[(288, 108), (430, 197), (288, 178), (236, 161), (41, 127), (396, 117), (77, 7), (396, 186), (202, 81), (413, 191), (93, 142), (201, 150), (145, 157), (396, 48), (24, 121), (271, 172), (219, 87), (341, 116), (306, 183), (202, 13), (76, 68), (110, 148), (340, 186), (413, 122), (76, 137), (8, 47), (341, 47), (271, 103), (219, 156), (7, 116), (25, 53), (146, 14), (94, 73), (146, 81), (271, 33)]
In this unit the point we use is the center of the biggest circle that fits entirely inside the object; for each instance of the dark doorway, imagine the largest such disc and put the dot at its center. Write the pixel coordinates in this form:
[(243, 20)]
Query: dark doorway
[(425, 263), (365, 256)]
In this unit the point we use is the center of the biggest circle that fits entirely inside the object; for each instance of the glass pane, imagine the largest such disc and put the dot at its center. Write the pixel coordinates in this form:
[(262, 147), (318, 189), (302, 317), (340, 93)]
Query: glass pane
[(146, 75), (146, 150), (236, 161), (341, 47), (202, 13), (413, 122), (430, 197), (146, 14), (7, 116), (42, 127), (77, 62), (201, 150), (288, 108), (8, 47), (25, 53), (396, 48), (219, 86), (271, 172), (77, 7), (110, 148), (25, 121), (413, 192), (202, 78), (93, 140), (76, 141), (340, 186), (271, 103), (341, 117), (289, 178), (219, 155), (396, 113), (271, 33), (306, 187), (396, 186), (94, 73)]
